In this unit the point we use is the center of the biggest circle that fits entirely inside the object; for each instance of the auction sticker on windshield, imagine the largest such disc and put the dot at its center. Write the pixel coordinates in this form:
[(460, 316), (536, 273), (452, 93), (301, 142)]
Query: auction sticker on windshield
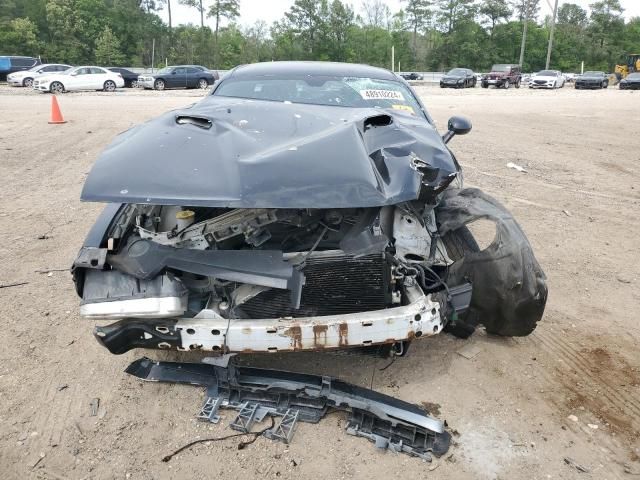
[(371, 94)]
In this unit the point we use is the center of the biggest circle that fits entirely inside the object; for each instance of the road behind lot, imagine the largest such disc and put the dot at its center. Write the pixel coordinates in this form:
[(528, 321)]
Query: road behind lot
[(517, 408)]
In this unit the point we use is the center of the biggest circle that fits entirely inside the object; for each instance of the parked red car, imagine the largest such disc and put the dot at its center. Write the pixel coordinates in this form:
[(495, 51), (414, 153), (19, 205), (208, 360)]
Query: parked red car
[(503, 75)]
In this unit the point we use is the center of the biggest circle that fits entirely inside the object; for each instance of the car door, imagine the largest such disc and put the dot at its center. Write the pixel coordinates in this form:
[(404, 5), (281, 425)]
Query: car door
[(79, 79), (47, 69), (179, 77), (193, 75), (98, 77)]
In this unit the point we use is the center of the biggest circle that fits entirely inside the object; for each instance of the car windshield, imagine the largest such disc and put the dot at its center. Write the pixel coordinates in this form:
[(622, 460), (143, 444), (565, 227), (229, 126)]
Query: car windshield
[(457, 72), (593, 74), (546, 73), (633, 76), (324, 90), (501, 68), (165, 70)]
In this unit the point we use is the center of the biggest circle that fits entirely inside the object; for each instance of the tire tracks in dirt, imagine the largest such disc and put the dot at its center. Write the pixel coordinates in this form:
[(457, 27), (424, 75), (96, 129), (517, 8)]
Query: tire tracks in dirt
[(598, 380)]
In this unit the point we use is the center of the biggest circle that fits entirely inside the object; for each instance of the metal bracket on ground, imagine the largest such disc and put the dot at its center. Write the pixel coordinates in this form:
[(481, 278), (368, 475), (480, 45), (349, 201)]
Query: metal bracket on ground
[(209, 410), (284, 430)]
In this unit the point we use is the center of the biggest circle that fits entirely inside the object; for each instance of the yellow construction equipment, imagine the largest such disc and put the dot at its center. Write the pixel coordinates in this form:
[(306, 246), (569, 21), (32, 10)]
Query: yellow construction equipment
[(632, 65)]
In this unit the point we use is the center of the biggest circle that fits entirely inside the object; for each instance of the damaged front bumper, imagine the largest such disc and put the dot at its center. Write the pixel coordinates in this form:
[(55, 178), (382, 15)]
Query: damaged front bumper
[(256, 393), (421, 316)]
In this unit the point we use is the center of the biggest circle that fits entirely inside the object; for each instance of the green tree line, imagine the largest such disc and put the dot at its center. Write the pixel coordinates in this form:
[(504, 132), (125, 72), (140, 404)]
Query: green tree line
[(428, 35)]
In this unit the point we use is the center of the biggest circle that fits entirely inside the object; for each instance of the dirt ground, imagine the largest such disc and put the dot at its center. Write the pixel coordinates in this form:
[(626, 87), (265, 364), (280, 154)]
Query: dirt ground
[(518, 408)]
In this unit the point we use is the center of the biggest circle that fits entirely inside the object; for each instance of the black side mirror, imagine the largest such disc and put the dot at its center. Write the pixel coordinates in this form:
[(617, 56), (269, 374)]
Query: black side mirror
[(456, 126)]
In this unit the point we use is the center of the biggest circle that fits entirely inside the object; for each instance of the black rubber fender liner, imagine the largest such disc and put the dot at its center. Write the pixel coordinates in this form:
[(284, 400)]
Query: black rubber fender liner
[(509, 286)]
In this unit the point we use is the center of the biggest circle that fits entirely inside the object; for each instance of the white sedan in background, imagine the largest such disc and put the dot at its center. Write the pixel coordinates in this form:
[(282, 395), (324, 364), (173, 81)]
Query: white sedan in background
[(25, 78), (79, 78), (547, 79)]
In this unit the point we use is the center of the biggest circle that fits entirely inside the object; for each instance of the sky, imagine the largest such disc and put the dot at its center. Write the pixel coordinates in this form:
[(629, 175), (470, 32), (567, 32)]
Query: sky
[(272, 10)]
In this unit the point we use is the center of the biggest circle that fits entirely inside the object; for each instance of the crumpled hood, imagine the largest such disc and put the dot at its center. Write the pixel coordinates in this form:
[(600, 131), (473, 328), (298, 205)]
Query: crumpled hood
[(238, 153)]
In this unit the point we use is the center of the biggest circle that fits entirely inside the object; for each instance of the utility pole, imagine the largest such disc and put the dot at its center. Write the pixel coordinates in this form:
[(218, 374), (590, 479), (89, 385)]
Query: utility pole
[(393, 57), (553, 28), (153, 54), (524, 30)]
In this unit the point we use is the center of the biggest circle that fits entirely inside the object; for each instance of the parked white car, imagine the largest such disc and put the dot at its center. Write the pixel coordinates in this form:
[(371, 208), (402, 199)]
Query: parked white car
[(25, 77), (547, 79), (79, 78)]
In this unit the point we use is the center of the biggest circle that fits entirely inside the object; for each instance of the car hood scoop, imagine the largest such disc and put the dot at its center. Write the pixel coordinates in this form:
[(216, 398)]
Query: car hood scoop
[(238, 153)]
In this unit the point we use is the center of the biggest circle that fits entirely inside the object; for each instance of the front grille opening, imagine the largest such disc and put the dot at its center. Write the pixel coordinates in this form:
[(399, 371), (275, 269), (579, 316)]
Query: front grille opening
[(336, 284)]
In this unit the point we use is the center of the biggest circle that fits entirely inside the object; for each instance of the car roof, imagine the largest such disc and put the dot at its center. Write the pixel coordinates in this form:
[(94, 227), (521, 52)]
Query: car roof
[(311, 68), (182, 66)]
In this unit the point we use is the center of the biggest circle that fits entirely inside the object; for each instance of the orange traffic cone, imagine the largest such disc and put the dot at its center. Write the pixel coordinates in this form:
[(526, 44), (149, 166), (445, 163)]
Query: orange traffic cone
[(56, 116)]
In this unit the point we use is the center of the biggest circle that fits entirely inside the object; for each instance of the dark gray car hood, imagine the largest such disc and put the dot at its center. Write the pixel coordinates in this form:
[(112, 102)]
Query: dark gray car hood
[(272, 155)]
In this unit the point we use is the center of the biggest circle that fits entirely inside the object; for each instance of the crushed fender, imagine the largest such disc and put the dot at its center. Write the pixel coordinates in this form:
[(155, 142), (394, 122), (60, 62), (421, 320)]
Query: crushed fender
[(509, 286), (256, 393)]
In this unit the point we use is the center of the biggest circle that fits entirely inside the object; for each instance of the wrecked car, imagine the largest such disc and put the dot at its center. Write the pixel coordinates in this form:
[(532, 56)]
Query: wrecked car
[(299, 206)]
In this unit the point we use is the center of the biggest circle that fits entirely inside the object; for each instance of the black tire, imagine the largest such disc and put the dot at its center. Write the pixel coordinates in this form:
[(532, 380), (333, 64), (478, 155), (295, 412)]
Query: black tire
[(109, 86), (484, 85), (506, 84), (56, 87), (27, 82), (202, 84), (159, 84), (517, 83)]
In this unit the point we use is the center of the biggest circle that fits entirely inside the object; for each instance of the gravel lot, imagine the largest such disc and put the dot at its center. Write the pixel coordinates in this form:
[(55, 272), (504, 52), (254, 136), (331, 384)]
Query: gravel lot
[(517, 409)]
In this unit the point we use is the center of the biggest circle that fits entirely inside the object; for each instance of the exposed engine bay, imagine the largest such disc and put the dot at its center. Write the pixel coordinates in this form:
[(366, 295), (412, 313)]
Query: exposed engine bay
[(266, 280), (230, 265)]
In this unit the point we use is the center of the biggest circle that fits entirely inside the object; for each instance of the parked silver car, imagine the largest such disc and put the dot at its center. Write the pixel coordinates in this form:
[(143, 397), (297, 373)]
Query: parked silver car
[(25, 77)]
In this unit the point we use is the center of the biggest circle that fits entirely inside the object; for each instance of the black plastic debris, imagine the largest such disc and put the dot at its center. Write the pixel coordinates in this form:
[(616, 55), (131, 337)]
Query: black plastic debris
[(289, 397)]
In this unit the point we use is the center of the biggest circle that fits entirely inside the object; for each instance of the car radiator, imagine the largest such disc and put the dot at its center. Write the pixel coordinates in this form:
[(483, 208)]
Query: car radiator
[(335, 284)]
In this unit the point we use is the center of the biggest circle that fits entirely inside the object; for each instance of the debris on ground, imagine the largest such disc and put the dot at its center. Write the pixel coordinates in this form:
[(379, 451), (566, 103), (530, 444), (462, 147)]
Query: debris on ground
[(516, 167), (469, 351), (257, 393), (577, 466), (8, 285), (49, 270), (93, 407)]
